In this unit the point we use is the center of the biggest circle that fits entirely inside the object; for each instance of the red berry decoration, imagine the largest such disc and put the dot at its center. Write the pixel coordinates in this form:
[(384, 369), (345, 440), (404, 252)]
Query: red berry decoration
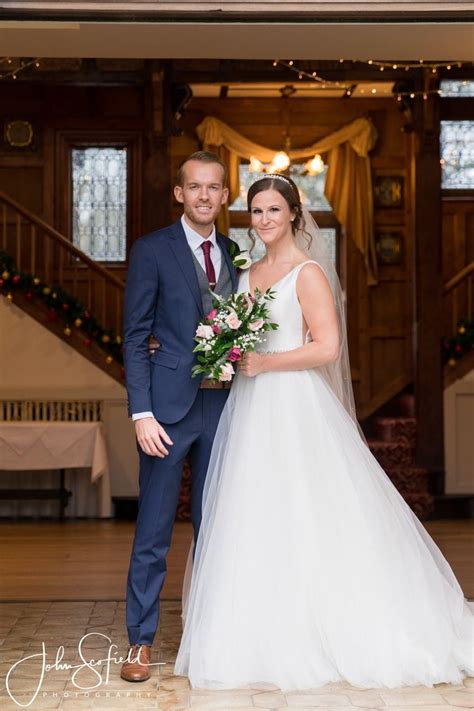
[(86, 314), (16, 279), (53, 315), (458, 349), (29, 295), (88, 342), (66, 307), (2, 282)]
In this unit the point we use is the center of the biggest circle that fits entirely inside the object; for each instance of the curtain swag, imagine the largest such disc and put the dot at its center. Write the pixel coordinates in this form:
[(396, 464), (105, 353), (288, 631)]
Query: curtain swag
[(348, 181)]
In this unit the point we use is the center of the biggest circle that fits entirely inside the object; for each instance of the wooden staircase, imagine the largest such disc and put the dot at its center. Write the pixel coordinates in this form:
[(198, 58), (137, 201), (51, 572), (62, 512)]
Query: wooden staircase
[(392, 441), (77, 299)]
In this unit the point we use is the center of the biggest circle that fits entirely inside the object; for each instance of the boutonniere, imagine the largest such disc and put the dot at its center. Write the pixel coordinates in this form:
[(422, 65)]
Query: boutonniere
[(240, 258)]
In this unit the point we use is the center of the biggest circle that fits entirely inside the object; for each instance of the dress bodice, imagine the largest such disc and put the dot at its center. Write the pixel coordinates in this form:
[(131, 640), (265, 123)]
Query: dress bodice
[(285, 310)]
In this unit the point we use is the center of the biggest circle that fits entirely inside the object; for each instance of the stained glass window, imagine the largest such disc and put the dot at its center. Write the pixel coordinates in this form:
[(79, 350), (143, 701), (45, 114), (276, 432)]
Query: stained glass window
[(241, 236), (457, 155), (311, 187), (99, 180), (456, 87)]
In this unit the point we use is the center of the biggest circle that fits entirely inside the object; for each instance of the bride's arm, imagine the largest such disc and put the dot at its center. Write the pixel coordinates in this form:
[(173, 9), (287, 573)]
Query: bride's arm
[(317, 305)]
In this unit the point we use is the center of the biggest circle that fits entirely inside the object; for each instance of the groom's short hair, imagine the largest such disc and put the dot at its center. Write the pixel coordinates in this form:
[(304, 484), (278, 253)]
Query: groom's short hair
[(203, 157)]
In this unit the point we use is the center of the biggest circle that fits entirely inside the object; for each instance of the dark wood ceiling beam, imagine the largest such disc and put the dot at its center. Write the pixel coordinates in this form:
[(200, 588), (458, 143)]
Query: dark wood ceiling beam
[(290, 11), (229, 71)]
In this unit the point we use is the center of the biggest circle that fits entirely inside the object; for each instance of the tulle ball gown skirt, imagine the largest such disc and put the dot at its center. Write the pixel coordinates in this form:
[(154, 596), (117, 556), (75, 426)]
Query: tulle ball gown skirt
[(310, 567)]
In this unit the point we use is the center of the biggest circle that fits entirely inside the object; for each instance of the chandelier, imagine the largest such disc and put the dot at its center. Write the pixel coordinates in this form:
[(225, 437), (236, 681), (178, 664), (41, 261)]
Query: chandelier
[(281, 162)]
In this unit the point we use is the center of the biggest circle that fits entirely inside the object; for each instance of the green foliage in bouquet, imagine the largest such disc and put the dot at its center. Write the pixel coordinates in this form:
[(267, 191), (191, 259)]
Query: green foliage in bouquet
[(233, 327)]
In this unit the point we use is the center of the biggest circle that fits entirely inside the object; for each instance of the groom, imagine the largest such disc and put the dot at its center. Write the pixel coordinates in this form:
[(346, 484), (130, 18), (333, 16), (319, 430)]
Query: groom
[(167, 294)]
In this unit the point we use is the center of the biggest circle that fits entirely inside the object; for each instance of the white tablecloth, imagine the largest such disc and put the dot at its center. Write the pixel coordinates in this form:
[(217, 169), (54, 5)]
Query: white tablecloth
[(32, 446)]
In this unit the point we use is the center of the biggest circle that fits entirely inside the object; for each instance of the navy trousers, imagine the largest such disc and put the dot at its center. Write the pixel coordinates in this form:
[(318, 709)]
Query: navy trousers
[(160, 482)]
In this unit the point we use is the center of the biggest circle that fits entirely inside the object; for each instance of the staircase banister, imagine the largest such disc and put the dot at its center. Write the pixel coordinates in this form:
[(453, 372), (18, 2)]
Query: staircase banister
[(58, 237), (458, 278)]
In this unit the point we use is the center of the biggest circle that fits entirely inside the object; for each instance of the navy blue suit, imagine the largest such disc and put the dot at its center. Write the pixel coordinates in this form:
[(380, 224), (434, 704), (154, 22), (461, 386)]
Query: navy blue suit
[(163, 298)]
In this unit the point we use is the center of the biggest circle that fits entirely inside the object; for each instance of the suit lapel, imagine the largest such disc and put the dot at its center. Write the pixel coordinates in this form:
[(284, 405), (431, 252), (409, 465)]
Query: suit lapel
[(233, 274), (180, 247)]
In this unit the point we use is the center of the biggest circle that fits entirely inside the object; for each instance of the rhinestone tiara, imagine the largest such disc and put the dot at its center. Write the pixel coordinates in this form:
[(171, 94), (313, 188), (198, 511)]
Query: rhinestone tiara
[(275, 176)]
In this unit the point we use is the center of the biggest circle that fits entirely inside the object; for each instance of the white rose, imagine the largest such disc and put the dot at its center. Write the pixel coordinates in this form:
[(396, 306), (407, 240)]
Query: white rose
[(243, 260), (227, 371), (204, 332)]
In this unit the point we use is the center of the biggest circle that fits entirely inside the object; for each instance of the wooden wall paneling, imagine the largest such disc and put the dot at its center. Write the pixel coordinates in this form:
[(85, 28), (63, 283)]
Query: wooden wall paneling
[(390, 302), (457, 252), (181, 147), (49, 203), (23, 182), (470, 234), (458, 235), (428, 377), (157, 186), (388, 357), (38, 178)]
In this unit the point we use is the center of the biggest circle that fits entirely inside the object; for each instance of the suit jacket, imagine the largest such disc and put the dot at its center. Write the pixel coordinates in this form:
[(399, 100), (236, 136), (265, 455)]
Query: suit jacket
[(162, 297)]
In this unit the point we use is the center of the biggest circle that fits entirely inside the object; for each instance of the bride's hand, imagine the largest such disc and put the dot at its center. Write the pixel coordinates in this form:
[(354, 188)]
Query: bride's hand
[(252, 364)]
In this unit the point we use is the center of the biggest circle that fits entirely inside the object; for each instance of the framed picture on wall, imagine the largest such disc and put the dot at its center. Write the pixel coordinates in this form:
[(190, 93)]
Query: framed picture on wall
[(388, 191), (19, 135), (389, 247)]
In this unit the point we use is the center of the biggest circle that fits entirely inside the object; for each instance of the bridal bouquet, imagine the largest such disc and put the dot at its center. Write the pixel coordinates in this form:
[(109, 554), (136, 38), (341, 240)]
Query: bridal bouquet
[(233, 327)]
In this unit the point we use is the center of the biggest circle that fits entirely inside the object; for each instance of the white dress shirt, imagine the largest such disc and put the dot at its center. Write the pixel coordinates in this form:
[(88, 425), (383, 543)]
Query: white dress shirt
[(194, 241)]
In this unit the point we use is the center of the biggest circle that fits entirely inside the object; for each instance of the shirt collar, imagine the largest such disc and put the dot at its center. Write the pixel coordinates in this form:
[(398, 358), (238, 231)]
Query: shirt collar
[(195, 239)]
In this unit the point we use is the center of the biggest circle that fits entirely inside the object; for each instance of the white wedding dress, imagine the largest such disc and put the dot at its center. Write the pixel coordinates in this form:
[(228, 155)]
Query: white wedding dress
[(310, 567)]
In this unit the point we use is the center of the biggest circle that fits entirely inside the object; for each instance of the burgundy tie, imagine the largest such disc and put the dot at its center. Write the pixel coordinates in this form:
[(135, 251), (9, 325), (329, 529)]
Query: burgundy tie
[(211, 274)]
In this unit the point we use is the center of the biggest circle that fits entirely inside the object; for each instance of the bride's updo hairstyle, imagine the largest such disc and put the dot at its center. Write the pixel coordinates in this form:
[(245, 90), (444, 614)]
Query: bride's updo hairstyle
[(288, 190)]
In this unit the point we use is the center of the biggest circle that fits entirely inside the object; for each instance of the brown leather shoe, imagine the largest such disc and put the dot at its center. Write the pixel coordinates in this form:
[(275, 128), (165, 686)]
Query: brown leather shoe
[(136, 667)]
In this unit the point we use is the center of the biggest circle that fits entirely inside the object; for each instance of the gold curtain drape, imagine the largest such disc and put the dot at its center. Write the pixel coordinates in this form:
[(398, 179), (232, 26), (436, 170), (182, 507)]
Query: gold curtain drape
[(348, 181)]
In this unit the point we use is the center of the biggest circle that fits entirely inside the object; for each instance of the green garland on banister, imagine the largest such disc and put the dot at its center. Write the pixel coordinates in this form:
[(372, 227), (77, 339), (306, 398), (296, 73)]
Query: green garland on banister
[(461, 343), (61, 305)]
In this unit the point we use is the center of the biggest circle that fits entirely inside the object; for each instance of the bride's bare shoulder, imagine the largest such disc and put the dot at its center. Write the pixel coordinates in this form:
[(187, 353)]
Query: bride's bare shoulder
[(312, 277)]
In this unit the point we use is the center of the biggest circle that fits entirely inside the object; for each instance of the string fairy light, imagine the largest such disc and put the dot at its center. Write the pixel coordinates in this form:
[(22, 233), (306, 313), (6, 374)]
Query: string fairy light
[(13, 73), (434, 66), (399, 95)]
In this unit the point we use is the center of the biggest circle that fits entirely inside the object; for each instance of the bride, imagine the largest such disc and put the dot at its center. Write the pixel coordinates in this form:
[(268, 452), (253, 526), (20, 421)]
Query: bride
[(309, 567)]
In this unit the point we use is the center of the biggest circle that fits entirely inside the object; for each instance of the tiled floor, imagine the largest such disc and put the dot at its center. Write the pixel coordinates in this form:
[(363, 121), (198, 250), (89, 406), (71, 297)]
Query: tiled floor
[(24, 626)]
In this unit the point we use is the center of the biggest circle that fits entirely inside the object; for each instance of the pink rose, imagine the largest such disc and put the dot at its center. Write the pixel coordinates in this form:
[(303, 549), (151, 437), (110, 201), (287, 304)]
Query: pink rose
[(227, 371), (204, 331), (217, 329), (233, 321), (256, 325), (211, 315), (234, 354)]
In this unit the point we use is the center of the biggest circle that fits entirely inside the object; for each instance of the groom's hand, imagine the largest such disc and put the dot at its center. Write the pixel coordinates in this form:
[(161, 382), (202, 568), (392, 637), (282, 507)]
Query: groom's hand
[(152, 437)]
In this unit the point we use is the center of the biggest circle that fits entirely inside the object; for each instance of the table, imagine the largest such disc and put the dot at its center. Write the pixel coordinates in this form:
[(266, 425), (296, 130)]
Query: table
[(36, 446)]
